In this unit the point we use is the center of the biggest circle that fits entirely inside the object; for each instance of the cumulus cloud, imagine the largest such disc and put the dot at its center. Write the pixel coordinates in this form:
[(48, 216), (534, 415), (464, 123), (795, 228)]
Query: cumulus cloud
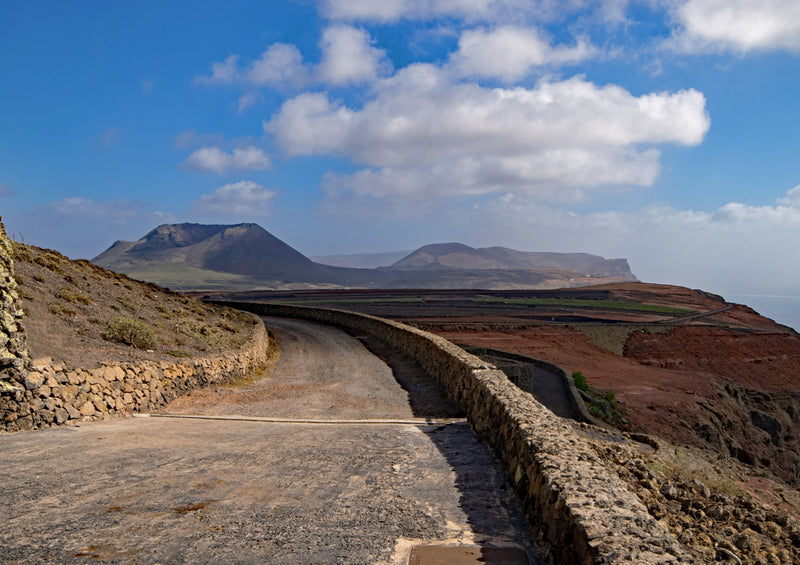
[(244, 198), (509, 53), (348, 57), (280, 64), (216, 160), (425, 136), (738, 25)]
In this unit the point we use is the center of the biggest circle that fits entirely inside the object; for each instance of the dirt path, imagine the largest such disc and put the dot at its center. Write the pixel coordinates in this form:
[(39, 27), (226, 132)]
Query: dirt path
[(322, 373), (182, 490)]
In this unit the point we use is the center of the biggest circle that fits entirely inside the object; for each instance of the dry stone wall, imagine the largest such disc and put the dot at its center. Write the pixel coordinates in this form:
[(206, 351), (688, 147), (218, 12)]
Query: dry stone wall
[(51, 394), (14, 358), (44, 393), (581, 511)]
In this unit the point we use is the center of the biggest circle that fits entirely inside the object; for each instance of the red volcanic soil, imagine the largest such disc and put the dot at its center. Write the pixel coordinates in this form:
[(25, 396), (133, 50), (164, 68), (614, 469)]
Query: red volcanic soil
[(729, 381), (656, 400), (716, 375)]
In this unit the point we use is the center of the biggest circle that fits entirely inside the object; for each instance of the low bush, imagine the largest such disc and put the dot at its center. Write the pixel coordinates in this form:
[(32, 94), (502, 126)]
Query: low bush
[(61, 310), (130, 332), (73, 297), (580, 381)]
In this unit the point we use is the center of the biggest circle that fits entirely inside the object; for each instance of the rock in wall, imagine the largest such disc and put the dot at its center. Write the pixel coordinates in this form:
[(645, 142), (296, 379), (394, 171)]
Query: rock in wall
[(14, 357)]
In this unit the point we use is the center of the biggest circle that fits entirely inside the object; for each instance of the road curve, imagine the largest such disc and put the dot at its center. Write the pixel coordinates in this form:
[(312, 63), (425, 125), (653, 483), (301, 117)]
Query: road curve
[(322, 373), (183, 490)]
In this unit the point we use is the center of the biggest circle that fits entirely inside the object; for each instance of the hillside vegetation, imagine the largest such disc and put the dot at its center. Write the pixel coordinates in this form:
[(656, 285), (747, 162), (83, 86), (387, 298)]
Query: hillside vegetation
[(82, 314)]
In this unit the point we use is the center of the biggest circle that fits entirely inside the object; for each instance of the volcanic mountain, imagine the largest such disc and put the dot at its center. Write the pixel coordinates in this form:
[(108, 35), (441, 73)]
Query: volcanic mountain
[(207, 257), (243, 249)]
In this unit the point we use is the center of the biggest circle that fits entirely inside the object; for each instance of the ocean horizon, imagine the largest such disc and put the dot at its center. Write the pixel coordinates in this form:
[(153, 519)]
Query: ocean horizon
[(783, 309)]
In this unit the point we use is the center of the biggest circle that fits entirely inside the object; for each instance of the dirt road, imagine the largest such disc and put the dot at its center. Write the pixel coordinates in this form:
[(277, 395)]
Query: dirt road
[(181, 490)]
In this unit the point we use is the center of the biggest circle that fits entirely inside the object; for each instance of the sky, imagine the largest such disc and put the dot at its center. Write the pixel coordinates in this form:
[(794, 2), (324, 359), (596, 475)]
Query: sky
[(663, 131)]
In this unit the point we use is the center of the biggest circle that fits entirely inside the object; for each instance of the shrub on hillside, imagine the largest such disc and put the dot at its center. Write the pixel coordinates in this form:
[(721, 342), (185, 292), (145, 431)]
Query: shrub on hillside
[(580, 381), (130, 332)]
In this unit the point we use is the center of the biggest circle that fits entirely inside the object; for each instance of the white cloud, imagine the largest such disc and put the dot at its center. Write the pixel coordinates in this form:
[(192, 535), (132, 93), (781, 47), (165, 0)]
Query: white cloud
[(509, 53), (225, 72), (738, 25), (279, 64), (792, 197), (348, 57), (216, 160), (119, 211), (737, 248), (469, 10), (424, 136), (249, 99), (244, 198), (92, 225)]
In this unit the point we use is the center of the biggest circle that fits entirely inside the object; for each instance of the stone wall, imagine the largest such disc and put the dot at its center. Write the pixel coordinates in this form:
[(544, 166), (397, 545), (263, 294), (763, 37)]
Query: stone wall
[(576, 399), (14, 357), (580, 510), (45, 393), (51, 394)]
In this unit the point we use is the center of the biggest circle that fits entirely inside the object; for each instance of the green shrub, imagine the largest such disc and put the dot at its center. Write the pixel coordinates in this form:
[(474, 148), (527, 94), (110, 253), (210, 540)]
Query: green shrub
[(580, 381), (130, 332)]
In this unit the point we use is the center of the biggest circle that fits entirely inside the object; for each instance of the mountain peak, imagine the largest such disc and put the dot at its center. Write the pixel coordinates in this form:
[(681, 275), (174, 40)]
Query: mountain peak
[(243, 249)]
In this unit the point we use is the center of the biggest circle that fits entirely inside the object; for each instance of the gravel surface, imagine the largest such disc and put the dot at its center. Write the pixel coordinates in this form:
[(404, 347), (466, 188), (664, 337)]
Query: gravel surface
[(182, 490)]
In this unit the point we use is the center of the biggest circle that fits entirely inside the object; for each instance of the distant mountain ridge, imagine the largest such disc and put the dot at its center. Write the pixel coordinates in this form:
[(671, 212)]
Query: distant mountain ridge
[(198, 256), (460, 256)]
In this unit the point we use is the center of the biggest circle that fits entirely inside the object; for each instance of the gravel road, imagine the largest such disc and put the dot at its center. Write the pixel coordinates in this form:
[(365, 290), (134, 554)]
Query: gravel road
[(186, 490)]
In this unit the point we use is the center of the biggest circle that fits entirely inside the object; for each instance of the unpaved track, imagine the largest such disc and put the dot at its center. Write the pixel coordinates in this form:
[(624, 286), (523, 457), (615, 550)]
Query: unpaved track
[(323, 373), (169, 490)]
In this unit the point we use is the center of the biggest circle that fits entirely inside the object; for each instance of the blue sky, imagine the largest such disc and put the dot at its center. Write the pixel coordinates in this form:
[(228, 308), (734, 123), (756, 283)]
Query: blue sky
[(663, 131)]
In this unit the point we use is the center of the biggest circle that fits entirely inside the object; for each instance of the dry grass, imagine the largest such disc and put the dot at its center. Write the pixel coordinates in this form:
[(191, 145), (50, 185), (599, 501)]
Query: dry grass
[(69, 303)]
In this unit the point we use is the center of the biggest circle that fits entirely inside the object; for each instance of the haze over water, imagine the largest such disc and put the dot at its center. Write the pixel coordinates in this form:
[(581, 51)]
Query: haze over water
[(783, 309)]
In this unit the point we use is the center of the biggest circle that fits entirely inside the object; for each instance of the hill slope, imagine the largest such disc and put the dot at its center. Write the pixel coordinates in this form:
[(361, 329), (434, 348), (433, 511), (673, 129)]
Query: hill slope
[(69, 304)]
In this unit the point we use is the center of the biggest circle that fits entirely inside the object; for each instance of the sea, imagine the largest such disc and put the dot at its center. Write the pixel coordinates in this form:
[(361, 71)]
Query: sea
[(783, 309)]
